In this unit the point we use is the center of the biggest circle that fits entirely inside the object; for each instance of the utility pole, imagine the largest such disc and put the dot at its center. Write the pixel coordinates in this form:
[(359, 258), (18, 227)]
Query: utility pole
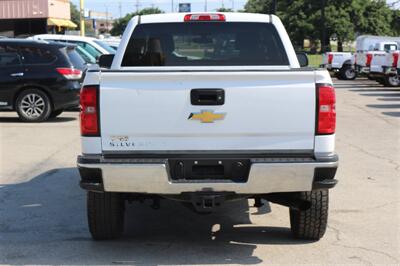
[(106, 18), (323, 44), (82, 17), (172, 6), (205, 5), (120, 9), (273, 7), (137, 6), (233, 5)]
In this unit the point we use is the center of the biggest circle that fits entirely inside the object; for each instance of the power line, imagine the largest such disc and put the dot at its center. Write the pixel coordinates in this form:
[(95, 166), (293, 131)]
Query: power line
[(137, 6)]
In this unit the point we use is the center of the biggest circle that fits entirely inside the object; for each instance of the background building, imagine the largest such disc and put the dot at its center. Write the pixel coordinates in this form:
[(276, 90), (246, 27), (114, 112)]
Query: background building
[(101, 22), (20, 18)]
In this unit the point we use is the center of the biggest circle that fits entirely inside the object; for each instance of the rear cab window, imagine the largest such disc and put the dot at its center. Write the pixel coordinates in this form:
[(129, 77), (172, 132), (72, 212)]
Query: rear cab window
[(390, 47), (205, 44)]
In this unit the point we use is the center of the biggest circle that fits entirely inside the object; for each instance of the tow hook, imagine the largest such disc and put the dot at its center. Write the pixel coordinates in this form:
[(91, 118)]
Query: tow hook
[(206, 203), (257, 202)]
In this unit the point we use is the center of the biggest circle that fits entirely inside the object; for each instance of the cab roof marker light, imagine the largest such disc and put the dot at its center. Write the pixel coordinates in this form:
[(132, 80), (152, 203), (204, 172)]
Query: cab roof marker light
[(204, 17)]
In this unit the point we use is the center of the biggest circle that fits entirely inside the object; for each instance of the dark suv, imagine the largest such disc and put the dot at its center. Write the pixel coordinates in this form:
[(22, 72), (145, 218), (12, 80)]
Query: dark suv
[(39, 79)]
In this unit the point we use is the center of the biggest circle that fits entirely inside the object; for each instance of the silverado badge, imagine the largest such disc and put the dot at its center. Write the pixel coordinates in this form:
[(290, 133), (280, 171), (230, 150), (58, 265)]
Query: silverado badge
[(206, 116)]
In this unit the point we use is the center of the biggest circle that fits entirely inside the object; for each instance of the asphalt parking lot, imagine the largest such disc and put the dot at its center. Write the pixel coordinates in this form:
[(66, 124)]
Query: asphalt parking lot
[(43, 217)]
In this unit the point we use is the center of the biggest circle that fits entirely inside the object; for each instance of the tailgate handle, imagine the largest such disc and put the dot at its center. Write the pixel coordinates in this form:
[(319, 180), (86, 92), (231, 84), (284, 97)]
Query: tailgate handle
[(207, 96)]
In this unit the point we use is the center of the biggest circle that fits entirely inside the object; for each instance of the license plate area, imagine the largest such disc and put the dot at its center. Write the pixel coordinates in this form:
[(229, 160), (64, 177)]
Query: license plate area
[(235, 170)]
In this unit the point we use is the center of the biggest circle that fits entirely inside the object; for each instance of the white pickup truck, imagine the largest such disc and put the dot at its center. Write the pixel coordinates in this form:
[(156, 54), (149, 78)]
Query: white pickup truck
[(383, 68), (341, 64), (374, 57), (206, 108)]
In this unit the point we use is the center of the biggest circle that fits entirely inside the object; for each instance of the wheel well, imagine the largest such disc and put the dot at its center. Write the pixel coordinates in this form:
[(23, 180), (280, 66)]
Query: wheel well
[(347, 62), (32, 87)]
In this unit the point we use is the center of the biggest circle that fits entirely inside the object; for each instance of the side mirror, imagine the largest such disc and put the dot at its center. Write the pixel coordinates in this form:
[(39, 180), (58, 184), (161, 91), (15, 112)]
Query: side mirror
[(303, 59), (105, 60)]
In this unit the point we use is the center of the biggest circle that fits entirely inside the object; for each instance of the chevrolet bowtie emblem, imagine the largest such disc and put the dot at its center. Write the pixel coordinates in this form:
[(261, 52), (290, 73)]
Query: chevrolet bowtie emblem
[(206, 116)]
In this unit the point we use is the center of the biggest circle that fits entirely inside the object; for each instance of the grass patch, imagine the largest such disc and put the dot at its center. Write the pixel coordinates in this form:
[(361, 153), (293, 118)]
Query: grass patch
[(314, 60)]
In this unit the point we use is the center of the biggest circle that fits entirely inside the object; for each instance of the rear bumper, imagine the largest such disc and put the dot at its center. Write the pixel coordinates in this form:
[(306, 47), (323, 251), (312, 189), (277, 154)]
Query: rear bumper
[(330, 68), (67, 96), (390, 71), (362, 69), (152, 176)]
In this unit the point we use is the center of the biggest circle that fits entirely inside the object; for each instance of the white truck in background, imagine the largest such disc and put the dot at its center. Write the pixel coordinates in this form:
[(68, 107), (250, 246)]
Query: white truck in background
[(383, 68), (341, 64), (373, 56), (204, 108)]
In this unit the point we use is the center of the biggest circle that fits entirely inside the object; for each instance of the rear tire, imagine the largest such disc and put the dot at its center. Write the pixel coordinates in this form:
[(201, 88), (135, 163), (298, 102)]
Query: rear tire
[(105, 215), (311, 224), (33, 105), (347, 73), (380, 81), (391, 81), (338, 76)]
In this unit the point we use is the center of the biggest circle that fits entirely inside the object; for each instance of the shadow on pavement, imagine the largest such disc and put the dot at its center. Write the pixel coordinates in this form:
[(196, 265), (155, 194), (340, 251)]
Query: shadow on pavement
[(381, 94), (51, 120), (377, 90), (394, 114), (373, 89), (384, 106), (43, 221), (395, 99)]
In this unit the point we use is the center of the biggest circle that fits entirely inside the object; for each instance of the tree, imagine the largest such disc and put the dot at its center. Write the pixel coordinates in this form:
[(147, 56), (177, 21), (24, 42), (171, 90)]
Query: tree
[(121, 23), (75, 15), (374, 17), (339, 22), (344, 19), (395, 25), (224, 9), (258, 6)]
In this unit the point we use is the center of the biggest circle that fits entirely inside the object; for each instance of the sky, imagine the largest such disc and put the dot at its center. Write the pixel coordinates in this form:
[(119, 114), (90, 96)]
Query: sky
[(121, 7), (128, 6)]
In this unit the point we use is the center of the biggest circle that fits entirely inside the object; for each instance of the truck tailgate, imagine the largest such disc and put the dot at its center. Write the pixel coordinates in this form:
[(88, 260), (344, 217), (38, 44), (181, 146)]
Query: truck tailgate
[(152, 111)]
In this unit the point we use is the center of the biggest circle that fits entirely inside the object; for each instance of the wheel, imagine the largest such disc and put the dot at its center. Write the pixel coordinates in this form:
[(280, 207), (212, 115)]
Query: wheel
[(391, 81), (105, 215), (56, 113), (33, 105), (380, 81), (311, 224), (338, 76), (347, 73)]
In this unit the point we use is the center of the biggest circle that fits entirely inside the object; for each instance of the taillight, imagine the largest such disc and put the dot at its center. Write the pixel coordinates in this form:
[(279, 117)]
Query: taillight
[(326, 112), (330, 59), (369, 60), (89, 115), (70, 73), (204, 17), (395, 59)]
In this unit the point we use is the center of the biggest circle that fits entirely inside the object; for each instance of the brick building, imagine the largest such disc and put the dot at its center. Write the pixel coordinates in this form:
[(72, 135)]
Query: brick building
[(20, 18)]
